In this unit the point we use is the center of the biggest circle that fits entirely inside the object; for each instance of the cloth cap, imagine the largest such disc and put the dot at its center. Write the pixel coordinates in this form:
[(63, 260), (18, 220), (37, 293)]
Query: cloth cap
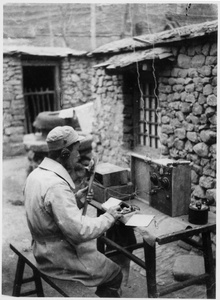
[(61, 137)]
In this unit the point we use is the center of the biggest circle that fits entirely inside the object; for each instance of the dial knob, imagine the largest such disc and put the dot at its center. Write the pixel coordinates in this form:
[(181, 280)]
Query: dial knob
[(165, 183), (154, 178)]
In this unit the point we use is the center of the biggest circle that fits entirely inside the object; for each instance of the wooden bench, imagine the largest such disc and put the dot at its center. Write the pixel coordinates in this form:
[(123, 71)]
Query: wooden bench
[(64, 287)]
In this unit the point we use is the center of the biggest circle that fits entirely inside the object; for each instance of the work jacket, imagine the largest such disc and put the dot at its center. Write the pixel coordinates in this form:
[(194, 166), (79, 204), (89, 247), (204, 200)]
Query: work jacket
[(64, 242)]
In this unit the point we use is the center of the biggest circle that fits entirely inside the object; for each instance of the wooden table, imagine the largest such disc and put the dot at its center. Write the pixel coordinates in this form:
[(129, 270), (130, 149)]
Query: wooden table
[(178, 228)]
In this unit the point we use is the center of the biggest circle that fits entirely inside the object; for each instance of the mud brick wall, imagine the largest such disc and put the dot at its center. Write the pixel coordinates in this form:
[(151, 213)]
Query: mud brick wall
[(187, 96)]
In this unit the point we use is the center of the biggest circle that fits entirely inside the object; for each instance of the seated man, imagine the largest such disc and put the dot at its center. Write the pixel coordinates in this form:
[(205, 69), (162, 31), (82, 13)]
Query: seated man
[(64, 241)]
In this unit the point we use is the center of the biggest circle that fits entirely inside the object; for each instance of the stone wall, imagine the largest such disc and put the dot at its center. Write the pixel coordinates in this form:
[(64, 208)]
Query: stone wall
[(188, 101), (187, 94), (75, 81), (109, 117), (13, 107), (75, 90)]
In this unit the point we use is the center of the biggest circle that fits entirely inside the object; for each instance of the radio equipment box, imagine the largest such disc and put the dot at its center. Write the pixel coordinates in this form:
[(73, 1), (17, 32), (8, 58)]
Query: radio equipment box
[(111, 181), (108, 174), (122, 192), (164, 183)]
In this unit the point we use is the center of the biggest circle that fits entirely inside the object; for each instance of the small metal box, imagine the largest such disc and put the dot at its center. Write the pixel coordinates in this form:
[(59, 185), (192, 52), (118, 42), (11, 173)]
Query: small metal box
[(108, 174)]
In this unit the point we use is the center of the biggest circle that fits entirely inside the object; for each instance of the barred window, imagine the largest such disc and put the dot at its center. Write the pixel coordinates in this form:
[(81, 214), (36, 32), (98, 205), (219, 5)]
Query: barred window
[(148, 123)]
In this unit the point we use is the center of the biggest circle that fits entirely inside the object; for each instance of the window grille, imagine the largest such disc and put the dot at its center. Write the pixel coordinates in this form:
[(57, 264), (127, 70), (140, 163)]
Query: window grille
[(149, 128), (37, 101)]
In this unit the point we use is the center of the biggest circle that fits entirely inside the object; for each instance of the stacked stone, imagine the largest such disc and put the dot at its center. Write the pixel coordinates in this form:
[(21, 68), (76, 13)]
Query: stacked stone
[(75, 87), (75, 82), (108, 124), (13, 107), (188, 102)]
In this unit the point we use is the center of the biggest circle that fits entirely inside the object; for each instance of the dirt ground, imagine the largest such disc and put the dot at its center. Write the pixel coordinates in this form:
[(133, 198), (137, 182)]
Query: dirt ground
[(15, 230)]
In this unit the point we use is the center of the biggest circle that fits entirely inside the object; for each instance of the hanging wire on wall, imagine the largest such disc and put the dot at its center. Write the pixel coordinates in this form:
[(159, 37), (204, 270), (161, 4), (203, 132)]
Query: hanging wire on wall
[(158, 109), (139, 83), (142, 119), (137, 66)]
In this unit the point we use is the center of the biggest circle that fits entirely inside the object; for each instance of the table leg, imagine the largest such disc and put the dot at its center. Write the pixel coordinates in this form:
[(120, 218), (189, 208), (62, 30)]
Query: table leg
[(209, 265), (150, 263)]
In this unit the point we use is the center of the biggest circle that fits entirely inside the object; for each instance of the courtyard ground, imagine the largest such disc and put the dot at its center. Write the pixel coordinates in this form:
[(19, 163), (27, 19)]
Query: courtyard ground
[(15, 230)]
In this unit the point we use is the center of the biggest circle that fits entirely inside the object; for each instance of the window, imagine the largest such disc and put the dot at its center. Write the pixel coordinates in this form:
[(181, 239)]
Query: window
[(148, 125)]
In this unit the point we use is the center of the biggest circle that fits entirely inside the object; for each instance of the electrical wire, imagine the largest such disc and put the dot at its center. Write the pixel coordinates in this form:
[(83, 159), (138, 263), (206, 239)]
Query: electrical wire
[(142, 117)]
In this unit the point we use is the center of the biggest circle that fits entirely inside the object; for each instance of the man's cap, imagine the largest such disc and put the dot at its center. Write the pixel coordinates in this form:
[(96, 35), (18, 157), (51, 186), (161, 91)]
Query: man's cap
[(61, 137)]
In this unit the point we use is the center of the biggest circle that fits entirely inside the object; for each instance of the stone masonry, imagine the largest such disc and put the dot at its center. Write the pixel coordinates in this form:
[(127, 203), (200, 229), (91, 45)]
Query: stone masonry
[(187, 98), (75, 81), (108, 128), (188, 102), (75, 90), (13, 106)]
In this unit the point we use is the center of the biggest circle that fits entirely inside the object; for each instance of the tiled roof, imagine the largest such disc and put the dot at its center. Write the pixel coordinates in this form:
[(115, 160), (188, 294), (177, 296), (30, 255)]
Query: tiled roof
[(125, 59), (42, 51), (158, 39)]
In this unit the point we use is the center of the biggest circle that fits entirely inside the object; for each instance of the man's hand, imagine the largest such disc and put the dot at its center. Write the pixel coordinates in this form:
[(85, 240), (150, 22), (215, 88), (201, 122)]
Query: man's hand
[(115, 211), (82, 195)]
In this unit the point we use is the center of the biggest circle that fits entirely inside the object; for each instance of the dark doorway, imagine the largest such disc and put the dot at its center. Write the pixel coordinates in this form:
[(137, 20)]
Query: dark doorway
[(40, 91), (38, 77)]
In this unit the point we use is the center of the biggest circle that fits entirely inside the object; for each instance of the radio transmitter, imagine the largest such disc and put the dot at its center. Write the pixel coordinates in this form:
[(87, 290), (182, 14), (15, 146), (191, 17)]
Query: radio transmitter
[(164, 183)]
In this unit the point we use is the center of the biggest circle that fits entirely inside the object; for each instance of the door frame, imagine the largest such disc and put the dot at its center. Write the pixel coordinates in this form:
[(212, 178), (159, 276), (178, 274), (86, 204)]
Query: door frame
[(42, 62)]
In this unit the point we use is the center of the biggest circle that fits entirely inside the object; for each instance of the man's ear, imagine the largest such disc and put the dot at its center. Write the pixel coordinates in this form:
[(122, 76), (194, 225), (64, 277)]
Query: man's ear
[(65, 153)]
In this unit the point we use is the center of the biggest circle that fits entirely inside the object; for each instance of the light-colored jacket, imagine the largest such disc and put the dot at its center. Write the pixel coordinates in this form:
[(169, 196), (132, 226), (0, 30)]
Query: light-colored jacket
[(64, 242)]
